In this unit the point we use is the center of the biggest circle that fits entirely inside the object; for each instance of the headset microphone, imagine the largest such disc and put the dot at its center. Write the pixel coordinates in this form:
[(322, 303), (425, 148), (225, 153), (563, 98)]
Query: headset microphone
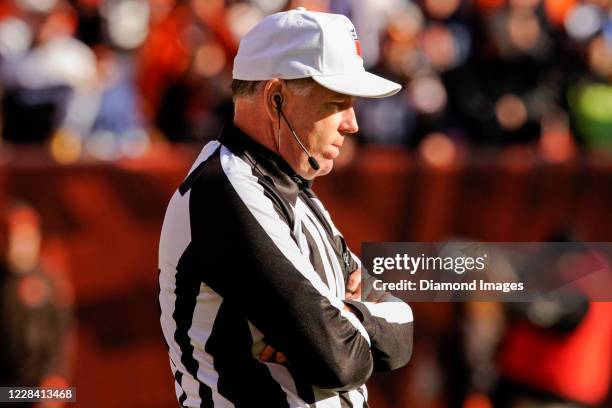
[(278, 101)]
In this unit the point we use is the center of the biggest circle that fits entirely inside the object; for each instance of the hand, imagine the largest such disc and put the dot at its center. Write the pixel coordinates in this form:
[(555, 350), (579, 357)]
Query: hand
[(353, 286), (270, 355)]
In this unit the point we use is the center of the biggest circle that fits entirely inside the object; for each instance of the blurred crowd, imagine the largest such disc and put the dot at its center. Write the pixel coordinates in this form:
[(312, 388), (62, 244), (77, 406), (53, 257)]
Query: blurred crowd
[(111, 78), (36, 305)]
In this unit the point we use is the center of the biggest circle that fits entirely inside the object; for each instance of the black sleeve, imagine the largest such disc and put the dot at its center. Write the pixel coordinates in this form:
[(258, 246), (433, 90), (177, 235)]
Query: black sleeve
[(389, 324), (387, 319), (247, 255)]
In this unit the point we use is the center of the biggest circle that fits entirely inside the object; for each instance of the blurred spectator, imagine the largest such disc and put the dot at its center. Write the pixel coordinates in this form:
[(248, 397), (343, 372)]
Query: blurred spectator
[(90, 26), (185, 67), (56, 85), (35, 306), (556, 352), (118, 128), (48, 76)]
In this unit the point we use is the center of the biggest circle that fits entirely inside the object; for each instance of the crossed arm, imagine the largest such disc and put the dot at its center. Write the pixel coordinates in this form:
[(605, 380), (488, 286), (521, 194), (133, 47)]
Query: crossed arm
[(397, 350), (334, 344), (353, 292)]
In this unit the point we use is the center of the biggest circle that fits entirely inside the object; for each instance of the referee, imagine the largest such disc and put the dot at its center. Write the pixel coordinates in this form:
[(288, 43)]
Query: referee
[(261, 302)]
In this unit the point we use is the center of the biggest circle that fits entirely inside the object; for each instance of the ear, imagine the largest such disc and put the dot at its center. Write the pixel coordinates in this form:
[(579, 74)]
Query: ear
[(274, 90)]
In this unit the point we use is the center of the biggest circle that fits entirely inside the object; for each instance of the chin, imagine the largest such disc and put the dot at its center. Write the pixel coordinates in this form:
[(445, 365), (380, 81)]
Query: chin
[(326, 167)]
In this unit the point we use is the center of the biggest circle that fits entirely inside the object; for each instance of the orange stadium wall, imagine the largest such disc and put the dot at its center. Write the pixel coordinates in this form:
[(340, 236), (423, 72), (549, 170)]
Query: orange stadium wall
[(102, 222)]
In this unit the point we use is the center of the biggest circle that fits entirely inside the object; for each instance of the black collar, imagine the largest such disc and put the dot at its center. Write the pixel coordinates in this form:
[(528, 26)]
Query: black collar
[(268, 164)]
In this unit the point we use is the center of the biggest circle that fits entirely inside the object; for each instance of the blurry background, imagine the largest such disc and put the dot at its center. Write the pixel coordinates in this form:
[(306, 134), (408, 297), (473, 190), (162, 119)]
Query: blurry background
[(502, 132)]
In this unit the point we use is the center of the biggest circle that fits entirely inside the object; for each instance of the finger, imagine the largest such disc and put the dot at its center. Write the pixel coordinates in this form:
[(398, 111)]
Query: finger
[(352, 295), (267, 353), (357, 294), (354, 280), (280, 358)]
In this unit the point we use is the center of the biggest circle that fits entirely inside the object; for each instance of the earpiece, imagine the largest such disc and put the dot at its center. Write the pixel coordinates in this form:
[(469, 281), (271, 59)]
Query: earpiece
[(278, 101)]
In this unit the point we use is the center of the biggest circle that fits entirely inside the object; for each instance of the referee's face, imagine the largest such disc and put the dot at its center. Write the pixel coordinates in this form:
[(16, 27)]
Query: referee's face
[(322, 119)]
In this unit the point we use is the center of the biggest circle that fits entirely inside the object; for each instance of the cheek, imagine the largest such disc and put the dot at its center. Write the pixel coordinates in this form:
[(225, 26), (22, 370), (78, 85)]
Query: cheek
[(326, 131)]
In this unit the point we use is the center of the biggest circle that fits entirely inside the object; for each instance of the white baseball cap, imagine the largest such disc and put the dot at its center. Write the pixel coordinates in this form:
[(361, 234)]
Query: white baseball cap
[(300, 44)]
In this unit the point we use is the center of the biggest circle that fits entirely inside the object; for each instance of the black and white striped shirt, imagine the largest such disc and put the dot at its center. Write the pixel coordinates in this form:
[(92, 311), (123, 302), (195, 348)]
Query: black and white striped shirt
[(249, 256)]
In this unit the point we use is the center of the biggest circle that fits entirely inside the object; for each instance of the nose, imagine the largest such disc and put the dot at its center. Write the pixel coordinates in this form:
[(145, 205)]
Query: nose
[(349, 122)]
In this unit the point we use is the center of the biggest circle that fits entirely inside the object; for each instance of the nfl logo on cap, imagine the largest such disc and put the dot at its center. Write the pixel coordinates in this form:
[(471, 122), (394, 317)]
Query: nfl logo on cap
[(357, 42)]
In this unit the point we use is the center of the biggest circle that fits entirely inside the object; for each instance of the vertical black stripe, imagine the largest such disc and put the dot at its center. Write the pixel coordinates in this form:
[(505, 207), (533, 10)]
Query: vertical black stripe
[(243, 380), (159, 305), (332, 285), (182, 399), (345, 401), (318, 214), (315, 256), (338, 244), (336, 241), (178, 377), (186, 291), (281, 204), (302, 386), (365, 400)]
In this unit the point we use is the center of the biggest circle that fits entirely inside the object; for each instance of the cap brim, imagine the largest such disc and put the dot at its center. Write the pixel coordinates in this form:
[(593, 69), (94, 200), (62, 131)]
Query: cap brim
[(362, 84)]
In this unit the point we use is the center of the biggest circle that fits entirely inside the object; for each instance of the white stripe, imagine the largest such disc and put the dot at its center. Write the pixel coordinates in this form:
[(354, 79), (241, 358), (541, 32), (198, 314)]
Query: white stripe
[(177, 387), (334, 229), (299, 234), (282, 376), (192, 389), (205, 153), (252, 195), (204, 316), (326, 214), (337, 269), (174, 239), (364, 388), (278, 372), (175, 234), (327, 398), (392, 312), (356, 398), (176, 229), (314, 232)]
